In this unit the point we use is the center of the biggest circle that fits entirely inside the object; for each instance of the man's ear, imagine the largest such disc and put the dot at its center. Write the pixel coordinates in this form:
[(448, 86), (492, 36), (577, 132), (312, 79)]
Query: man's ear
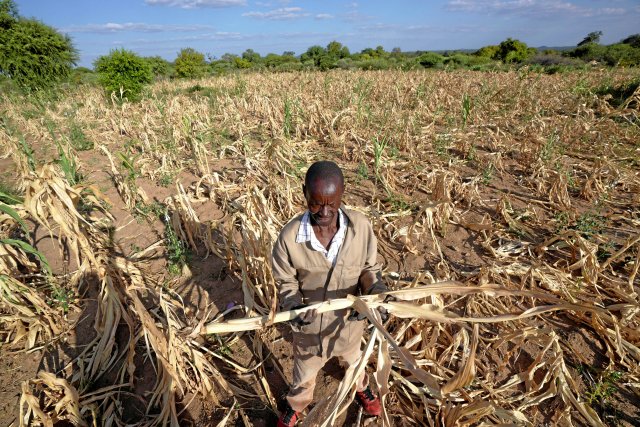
[(304, 191)]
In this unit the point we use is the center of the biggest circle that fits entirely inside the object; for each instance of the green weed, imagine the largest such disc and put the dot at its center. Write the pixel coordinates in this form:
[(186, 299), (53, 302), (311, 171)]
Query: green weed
[(9, 195), (287, 124), (562, 221), (166, 179), (379, 146), (28, 249), (618, 94), (487, 174), (441, 146), (601, 390), (362, 90), (68, 164), (128, 163), (472, 154), (152, 210), (240, 88), (177, 253), (549, 149), (78, 139), (61, 297), (589, 224), (363, 171), (398, 203), (28, 153), (605, 251)]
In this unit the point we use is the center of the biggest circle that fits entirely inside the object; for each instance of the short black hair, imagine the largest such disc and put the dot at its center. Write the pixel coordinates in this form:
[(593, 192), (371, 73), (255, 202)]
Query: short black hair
[(323, 169)]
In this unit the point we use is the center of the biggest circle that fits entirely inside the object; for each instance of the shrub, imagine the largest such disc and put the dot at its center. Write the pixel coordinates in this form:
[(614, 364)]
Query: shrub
[(552, 59), (462, 60), (512, 50), (633, 40), (622, 55), (32, 54), (190, 64), (241, 63), (124, 73), (159, 66), (588, 52), (430, 59), (221, 67), (82, 75), (290, 66), (346, 64), (375, 64), (490, 52)]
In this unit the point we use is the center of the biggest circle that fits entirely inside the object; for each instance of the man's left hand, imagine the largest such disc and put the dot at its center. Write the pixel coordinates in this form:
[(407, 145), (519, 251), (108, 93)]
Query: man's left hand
[(372, 284)]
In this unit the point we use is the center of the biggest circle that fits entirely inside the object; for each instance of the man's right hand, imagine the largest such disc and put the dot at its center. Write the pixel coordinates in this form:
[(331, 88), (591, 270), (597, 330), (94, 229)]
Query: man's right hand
[(304, 318)]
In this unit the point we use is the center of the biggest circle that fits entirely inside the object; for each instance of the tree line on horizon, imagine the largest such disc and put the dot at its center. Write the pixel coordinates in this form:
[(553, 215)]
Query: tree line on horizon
[(35, 56)]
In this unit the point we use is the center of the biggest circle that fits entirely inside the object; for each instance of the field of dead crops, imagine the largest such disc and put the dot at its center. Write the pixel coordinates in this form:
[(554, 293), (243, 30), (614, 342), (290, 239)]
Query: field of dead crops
[(507, 207)]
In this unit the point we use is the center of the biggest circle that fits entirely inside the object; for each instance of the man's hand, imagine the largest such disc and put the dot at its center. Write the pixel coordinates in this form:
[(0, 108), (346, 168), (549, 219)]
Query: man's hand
[(304, 318), (372, 284)]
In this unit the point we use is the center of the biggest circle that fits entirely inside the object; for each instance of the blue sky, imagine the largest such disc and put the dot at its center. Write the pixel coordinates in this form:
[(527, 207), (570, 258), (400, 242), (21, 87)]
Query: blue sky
[(214, 27)]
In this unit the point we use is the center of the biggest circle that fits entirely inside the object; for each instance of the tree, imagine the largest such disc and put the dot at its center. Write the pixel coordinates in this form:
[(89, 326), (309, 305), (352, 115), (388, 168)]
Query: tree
[(124, 73), (318, 56), (592, 37), (33, 54), (251, 56), (160, 67), (633, 40), (228, 57), (512, 50), (8, 14), (190, 64), (313, 53), (241, 63), (337, 51)]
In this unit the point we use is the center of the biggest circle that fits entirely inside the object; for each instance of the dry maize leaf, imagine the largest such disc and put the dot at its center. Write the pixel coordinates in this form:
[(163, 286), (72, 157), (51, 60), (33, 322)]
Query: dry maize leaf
[(467, 373)]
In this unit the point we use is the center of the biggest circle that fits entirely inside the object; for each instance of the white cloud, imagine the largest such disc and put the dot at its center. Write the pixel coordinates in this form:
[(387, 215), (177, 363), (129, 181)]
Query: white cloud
[(283, 13), (324, 16), (378, 27), (528, 7), (509, 5), (112, 27), (272, 4), (194, 4), (176, 42), (611, 11)]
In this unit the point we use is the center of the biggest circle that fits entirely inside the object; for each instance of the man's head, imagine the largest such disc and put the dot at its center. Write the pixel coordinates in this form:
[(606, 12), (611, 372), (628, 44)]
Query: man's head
[(323, 188)]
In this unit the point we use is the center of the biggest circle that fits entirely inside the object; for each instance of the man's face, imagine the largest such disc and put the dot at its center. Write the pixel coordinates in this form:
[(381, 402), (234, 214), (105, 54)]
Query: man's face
[(324, 197)]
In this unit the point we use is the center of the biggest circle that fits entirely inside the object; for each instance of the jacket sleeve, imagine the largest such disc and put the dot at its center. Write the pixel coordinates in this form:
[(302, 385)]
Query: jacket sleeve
[(371, 277), (285, 276)]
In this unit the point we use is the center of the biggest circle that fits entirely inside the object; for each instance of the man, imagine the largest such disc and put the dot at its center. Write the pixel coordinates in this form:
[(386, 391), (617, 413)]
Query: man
[(326, 253)]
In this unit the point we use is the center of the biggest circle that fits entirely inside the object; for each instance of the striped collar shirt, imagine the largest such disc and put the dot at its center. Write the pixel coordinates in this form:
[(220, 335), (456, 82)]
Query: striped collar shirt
[(306, 234)]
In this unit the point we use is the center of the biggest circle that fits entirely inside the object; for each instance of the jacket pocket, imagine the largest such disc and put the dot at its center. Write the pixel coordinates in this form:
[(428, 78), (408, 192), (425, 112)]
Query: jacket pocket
[(349, 279)]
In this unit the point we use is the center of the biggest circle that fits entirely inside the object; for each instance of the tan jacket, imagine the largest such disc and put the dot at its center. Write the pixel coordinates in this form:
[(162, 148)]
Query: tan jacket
[(305, 276)]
